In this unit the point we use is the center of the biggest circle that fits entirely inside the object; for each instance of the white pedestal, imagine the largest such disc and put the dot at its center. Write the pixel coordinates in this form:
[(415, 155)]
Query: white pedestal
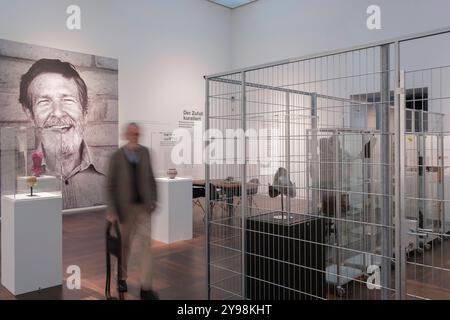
[(31, 245), (44, 184), (172, 220)]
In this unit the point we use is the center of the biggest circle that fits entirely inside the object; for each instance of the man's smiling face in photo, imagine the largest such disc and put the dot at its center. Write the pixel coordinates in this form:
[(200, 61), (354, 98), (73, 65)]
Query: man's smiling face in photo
[(56, 106)]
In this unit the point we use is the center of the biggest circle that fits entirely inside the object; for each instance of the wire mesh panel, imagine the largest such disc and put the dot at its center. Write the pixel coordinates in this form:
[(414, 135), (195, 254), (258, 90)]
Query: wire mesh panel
[(326, 177), (223, 176), (426, 106)]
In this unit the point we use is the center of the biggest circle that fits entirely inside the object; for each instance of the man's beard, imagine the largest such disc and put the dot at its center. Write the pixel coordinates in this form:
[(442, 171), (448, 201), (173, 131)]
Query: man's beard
[(61, 136)]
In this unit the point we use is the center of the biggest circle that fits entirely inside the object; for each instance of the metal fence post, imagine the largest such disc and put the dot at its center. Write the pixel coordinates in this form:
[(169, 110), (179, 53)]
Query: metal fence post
[(243, 182)]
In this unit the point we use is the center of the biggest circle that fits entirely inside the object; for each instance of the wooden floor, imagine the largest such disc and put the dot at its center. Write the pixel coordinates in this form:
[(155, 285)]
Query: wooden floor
[(179, 269)]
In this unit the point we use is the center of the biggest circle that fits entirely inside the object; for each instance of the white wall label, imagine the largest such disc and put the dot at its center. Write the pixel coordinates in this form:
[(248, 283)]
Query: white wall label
[(190, 118), (192, 115), (374, 19), (73, 22), (73, 281)]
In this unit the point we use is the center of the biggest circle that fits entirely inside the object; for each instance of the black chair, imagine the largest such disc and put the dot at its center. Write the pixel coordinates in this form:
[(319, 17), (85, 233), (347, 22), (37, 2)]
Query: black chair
[(215, 196), (197, 194), (113, 248), (252, 190)]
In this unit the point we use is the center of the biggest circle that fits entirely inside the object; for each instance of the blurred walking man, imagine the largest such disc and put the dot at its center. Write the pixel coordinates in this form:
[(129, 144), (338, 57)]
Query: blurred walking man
[(132, 198)]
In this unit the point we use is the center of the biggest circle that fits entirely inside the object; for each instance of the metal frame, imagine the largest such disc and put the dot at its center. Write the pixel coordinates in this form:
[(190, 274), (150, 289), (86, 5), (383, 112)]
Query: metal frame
[(397, 40)]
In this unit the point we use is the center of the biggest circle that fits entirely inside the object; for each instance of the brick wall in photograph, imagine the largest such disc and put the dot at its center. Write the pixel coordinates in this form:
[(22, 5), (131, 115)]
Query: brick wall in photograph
[(99, 73)]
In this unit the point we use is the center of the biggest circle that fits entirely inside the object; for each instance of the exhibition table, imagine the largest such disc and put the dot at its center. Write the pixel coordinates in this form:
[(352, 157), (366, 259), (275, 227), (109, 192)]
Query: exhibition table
[(230, 188), (31, 242), (172, 220)]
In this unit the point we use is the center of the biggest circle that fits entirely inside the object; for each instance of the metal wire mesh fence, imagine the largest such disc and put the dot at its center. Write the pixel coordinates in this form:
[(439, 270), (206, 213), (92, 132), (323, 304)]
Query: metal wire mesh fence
[(325, 175)]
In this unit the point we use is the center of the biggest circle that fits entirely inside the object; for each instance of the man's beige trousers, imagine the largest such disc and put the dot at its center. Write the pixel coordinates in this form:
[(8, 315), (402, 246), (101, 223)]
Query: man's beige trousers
[(136, 237)]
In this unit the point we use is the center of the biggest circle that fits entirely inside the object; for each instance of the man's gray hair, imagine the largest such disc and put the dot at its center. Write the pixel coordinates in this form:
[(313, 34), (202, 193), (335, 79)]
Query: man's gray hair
[(130, 124)]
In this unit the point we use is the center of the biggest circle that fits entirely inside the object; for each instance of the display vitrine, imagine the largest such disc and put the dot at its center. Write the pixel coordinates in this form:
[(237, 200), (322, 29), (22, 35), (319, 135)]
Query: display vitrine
[(26, 168), (31, 202)]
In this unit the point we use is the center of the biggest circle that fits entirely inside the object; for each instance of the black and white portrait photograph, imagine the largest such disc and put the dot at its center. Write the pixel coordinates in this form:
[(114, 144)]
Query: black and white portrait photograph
[(71, 102)]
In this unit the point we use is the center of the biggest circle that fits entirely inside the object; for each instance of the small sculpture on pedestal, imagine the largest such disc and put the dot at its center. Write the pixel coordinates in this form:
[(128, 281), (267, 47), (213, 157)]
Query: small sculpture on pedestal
[(37, 157), (172, 173), (282, 186), (31, 182)]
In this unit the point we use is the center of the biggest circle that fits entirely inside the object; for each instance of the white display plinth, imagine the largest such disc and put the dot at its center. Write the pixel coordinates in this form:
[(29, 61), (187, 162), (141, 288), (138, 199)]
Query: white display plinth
[(44, 184), (172, 220), (31, 248)]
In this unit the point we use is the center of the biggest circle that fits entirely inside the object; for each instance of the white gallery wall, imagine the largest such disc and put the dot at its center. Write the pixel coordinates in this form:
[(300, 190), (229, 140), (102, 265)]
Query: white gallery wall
[(164, 48), (272, 30)]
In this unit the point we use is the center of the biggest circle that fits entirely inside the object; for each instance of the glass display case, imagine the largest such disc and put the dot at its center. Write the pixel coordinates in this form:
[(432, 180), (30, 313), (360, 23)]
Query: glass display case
[(27, 170)]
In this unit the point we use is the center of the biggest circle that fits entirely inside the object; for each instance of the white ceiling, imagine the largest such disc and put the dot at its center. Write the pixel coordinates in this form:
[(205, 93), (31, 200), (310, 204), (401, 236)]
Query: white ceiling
[(232, 4)]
